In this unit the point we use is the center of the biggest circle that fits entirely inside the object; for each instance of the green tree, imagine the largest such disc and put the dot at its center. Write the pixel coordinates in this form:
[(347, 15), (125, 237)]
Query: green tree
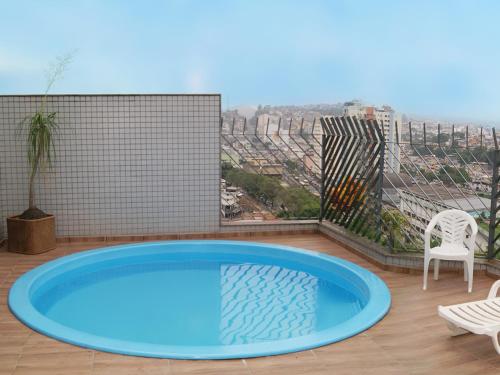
[(455, 175), (471, 155), (442, 138), (293, 166), (299, 202), (290, 202), (395, 226), (270, 189), (428, 174)]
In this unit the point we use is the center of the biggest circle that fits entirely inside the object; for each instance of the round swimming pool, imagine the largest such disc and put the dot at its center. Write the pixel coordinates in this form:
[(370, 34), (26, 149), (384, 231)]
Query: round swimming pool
[(199, 299)]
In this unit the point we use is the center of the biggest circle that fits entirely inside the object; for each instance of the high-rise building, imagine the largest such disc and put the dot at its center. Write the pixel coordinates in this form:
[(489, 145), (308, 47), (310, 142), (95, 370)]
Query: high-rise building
[(387, 118)]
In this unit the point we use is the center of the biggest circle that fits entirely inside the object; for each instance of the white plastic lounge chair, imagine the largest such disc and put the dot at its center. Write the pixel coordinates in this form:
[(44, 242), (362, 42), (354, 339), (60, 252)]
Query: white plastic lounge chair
[(454, 243), (480, 317)]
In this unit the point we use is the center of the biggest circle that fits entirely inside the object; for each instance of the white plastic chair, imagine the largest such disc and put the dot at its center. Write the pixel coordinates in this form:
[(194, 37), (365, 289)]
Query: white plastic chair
[(454, 243), (479, 317)]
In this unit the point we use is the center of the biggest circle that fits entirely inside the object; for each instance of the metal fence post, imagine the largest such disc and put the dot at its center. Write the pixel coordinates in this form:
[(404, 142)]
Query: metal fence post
[(493, 206), (380, 181), (322, 192)]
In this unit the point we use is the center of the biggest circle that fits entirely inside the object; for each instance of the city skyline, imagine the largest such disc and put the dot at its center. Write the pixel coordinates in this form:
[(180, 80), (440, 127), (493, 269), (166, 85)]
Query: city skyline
[(431, 59)]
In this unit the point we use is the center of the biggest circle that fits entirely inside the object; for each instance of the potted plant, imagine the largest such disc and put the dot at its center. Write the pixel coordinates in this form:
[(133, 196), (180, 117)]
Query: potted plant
[(33, 231)]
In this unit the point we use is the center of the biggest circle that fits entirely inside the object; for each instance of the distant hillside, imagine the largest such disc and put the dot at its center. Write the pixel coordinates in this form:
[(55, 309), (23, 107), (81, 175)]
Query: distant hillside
[(287, 111)]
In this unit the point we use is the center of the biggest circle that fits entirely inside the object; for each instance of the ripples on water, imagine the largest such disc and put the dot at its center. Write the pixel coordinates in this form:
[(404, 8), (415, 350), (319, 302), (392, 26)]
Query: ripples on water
[(198, 303)]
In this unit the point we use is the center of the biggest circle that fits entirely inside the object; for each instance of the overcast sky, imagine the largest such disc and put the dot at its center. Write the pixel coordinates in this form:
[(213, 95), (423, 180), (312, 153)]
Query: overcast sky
[(437, 58)]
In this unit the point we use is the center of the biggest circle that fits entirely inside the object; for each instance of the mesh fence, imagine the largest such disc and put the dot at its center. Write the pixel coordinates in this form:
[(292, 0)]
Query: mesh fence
[(381, 181), (271, 169)]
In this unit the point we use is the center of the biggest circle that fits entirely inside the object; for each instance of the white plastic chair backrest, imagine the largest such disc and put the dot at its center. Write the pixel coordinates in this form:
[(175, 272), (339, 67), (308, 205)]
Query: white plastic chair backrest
[(453, 224)]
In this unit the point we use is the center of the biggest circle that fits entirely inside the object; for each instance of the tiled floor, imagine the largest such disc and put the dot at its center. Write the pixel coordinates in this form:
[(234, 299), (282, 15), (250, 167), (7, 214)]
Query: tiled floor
[(412, 339)]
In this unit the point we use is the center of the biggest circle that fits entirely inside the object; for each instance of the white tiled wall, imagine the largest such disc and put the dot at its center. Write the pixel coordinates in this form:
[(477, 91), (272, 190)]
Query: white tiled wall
[(124, 164)]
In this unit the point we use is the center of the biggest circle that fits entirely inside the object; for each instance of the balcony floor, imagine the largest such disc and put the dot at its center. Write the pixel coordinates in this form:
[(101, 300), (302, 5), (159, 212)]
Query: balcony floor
[(411, 339)]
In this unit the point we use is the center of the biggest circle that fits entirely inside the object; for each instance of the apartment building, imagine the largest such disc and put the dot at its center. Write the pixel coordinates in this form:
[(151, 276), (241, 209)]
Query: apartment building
[(387, 118)]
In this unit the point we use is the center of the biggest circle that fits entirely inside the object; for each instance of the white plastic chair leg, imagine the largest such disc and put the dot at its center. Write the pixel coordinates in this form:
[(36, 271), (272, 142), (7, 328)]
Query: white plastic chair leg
[(465, 271), (436, 269), (495, 342), (470, 274), (426, 270)]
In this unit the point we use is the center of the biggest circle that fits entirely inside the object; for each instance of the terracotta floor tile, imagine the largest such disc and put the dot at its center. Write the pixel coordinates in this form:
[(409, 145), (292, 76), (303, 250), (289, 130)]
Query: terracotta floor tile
[(40, 344), (296, 363), (12, 344), (225, 367), (8, 363), (107, 363), (13, 328), (55, 364)]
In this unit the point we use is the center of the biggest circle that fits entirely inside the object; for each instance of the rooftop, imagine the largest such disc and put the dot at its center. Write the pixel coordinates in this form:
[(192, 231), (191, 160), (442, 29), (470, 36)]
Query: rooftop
[(411, 339), (450, 196)]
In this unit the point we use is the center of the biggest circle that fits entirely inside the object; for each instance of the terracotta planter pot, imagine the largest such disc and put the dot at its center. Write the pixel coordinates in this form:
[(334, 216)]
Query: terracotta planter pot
[(31, 236)]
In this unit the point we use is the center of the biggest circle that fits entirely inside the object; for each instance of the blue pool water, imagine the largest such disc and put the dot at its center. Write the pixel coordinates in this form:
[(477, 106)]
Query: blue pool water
[(199, 299)]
